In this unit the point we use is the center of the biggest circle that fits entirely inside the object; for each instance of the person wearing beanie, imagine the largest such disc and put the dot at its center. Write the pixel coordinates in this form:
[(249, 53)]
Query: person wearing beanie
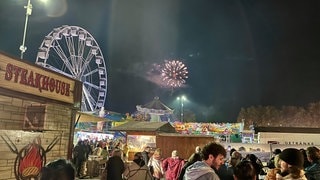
[(291, 165), (313, 156)]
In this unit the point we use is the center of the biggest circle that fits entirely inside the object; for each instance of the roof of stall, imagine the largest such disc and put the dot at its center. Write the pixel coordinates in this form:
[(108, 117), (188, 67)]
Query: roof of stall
[(89, 117), (145, 127)]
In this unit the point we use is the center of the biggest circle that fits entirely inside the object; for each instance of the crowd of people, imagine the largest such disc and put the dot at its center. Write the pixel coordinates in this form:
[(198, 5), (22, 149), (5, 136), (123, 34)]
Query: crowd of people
[(206, 163), (85, 151)]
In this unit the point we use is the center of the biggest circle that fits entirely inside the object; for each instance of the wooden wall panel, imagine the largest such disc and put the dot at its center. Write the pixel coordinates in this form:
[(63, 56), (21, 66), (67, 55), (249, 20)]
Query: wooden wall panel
[(185, 145)]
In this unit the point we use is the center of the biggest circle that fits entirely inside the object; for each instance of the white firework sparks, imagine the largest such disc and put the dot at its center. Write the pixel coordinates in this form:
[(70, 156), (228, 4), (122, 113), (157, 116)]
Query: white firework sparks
[(174, 73)]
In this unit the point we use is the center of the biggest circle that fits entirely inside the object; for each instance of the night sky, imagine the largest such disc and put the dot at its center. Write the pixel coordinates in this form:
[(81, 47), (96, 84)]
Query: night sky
[(238, 53)]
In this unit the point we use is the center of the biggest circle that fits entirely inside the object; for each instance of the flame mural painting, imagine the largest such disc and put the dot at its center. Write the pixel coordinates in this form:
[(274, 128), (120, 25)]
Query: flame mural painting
[(30, 159)]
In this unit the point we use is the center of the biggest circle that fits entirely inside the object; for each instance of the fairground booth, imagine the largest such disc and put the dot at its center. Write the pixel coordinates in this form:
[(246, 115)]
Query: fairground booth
[(38, 110), (95, 126), (159, 135), (90, 126)]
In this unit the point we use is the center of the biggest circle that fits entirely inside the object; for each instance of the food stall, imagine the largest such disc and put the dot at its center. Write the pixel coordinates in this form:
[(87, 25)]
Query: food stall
[(140, 133), (159, 135), (91, 127)]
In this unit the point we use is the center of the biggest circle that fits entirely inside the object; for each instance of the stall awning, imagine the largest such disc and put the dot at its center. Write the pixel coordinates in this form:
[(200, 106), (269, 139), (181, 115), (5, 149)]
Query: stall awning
[(87, 117), (145, 126)]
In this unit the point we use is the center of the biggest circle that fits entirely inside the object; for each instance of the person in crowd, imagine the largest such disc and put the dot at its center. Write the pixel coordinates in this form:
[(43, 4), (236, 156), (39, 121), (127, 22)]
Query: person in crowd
[(213, 155), (97, 150), (256, 164), (114, 166), (313, 171), (172, 166), (236, 157), (291, 165), (306, 162), (60, 169), (145, 154), (271, 174), (87, 148), (79, 155), (196, 156), (226, 172), (125, 150), (270, 163), (138, 169), (244, 170), (231, 151), (105, 153), (110, 147), (155, 165)]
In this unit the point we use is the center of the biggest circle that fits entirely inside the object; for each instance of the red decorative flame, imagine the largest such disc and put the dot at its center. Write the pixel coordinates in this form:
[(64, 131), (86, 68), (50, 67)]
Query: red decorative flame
[(31, 163)]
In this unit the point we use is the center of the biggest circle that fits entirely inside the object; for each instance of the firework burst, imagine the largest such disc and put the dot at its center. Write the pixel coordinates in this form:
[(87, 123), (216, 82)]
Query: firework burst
[(174, 73)]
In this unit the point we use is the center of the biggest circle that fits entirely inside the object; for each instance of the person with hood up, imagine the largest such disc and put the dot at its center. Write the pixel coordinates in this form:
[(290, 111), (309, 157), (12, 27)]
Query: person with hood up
[(291, 162), (172, 166), (138, 169), (213, 155)]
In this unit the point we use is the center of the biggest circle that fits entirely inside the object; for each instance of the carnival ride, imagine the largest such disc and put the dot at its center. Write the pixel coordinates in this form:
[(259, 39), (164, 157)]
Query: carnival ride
[(73, 52), (155, 111)]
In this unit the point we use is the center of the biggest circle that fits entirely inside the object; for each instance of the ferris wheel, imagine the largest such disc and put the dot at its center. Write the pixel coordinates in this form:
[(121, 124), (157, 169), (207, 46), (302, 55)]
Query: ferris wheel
[(72, 51)]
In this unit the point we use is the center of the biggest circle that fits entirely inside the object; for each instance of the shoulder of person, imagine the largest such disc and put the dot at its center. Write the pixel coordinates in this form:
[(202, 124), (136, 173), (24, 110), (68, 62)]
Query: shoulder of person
[(210, 175)]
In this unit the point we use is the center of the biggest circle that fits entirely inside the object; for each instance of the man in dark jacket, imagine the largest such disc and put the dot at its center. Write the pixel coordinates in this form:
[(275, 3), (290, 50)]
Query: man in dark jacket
[(115, 166), (79, 156)]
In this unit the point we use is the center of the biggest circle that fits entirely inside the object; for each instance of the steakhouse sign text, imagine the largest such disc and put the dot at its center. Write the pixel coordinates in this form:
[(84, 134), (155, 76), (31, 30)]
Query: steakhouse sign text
[(42, 82)]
